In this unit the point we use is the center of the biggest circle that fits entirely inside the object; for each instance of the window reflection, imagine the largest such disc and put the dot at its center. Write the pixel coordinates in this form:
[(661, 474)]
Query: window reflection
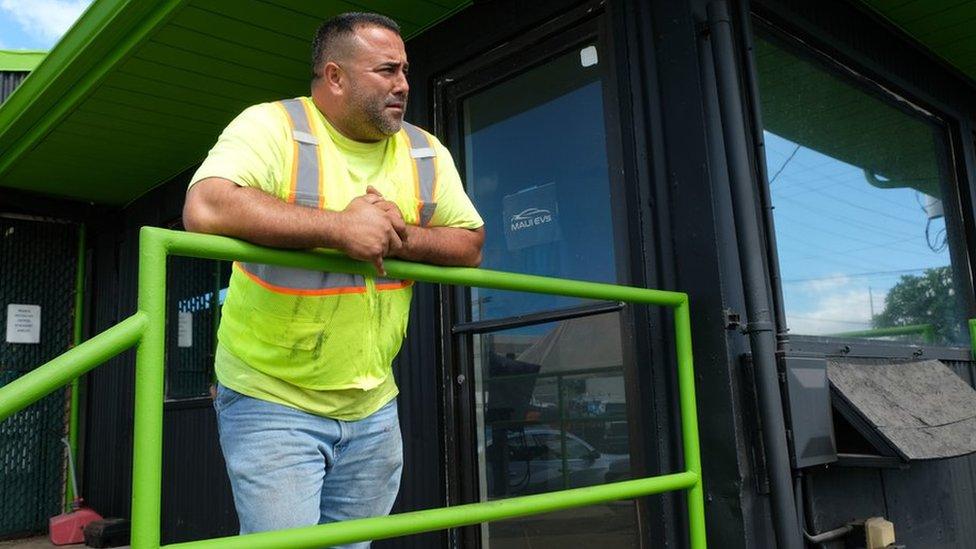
[(858, 188), (554, 414)]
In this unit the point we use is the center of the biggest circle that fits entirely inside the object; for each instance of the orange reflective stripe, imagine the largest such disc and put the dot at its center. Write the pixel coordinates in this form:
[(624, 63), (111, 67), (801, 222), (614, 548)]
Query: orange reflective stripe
[(293, 183), (296, 291), (395, 285)]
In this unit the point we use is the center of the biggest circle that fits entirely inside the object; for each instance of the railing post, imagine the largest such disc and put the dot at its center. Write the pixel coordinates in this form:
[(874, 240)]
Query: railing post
[(689, 423), (147, 443), (972, 337), (69, 487)]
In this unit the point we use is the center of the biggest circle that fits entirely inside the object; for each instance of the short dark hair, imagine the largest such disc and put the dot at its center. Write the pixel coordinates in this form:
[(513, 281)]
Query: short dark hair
[(333, 31)]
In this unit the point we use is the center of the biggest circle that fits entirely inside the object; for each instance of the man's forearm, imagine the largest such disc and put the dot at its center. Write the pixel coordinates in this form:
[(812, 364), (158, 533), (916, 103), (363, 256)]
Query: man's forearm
[(362, 230), (443, 246), (250, 214)]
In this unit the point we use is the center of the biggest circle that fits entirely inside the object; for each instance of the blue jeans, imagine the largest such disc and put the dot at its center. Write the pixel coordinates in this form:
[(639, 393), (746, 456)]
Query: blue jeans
[(289, 468)]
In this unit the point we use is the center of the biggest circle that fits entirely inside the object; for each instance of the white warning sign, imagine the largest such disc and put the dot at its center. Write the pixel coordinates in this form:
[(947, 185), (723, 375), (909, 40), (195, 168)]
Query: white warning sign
[(23, 323), (184, 330)]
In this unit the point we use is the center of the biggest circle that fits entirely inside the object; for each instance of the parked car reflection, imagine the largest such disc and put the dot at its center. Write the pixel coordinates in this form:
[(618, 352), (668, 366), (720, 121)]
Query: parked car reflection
[(535, 459)]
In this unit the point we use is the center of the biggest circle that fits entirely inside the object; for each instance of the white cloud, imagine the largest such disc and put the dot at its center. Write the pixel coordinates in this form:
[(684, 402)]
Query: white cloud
[(840, 305), (44, 19), (827, 284)]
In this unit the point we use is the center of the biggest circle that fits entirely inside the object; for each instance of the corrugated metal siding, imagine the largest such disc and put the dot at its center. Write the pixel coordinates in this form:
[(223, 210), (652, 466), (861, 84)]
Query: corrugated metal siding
[(108, 433), (9, 80), (197, 502)]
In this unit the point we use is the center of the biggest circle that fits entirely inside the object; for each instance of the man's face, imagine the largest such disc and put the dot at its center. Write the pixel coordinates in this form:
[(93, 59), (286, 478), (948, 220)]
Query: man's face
[(377, 77)]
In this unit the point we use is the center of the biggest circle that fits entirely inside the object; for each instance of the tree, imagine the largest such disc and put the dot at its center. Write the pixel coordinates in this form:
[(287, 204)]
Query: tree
[(928, 298)]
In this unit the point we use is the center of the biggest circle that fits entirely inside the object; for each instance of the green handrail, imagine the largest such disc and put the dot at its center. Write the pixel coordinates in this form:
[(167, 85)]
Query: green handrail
[(147, 329), (926, 330)]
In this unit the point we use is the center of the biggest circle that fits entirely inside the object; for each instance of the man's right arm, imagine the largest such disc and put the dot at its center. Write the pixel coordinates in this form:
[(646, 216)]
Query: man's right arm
[(220, 206)]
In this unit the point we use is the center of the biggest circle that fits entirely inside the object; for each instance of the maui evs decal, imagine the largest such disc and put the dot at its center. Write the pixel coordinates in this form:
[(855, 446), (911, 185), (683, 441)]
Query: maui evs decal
[(530, 217)]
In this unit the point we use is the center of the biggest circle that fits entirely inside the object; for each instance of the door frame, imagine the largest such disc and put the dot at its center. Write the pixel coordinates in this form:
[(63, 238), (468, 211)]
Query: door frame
[(585, 23)]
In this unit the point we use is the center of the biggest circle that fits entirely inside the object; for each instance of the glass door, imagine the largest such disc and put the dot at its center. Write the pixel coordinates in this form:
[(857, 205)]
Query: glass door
[(541, 379)]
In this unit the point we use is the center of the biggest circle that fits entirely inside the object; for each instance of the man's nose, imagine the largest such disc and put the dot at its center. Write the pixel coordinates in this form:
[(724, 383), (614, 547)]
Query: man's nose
[(401, 86)]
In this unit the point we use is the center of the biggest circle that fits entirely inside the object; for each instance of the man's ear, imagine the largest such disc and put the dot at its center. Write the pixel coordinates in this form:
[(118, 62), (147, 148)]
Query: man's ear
[(332, 77)]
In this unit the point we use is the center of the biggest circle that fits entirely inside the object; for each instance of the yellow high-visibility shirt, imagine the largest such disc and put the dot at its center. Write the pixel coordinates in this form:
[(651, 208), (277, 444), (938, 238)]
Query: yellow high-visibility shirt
[(256, 150)]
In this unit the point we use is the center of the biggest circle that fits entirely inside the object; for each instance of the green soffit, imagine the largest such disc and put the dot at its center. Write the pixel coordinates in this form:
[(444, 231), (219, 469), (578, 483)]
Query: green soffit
[(20, 60), (137, 92), (947, 28)]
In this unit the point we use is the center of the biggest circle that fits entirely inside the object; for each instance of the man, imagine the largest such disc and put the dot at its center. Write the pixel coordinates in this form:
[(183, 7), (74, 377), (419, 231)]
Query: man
[(306, 401)]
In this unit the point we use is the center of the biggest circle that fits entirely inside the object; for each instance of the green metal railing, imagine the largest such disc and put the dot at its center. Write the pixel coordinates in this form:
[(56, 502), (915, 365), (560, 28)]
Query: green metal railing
[(146, 329), (927, 331), (69, 492)]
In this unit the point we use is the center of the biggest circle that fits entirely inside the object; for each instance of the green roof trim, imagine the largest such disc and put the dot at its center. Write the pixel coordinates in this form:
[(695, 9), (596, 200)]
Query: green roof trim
[(943, 27), (137, 92), (105, 34), (20, 60)]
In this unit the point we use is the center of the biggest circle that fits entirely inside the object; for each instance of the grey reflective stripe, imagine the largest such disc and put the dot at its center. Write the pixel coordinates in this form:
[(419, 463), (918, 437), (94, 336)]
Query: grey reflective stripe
[(303, 279), (303, 137), (427, 212), (296, 111), (423, 155), (307, 180)]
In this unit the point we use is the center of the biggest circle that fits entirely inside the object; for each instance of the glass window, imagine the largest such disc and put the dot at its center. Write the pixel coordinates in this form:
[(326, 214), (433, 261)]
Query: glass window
[(550, 402), (544, 213), (191, 329), (861, 188), (553, 401)]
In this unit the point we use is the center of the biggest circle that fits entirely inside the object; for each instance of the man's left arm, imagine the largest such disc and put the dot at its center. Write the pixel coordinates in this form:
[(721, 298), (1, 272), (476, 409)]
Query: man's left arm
[(456, 232), (443, 246)]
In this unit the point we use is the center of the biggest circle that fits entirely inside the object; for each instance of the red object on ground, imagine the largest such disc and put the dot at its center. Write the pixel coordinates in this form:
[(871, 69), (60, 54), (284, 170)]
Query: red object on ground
[(68, 528)]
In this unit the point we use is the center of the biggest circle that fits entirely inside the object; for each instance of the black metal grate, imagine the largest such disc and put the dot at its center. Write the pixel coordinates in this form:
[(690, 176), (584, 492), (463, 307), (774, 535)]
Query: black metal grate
[(37, 267), (191, 287)]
